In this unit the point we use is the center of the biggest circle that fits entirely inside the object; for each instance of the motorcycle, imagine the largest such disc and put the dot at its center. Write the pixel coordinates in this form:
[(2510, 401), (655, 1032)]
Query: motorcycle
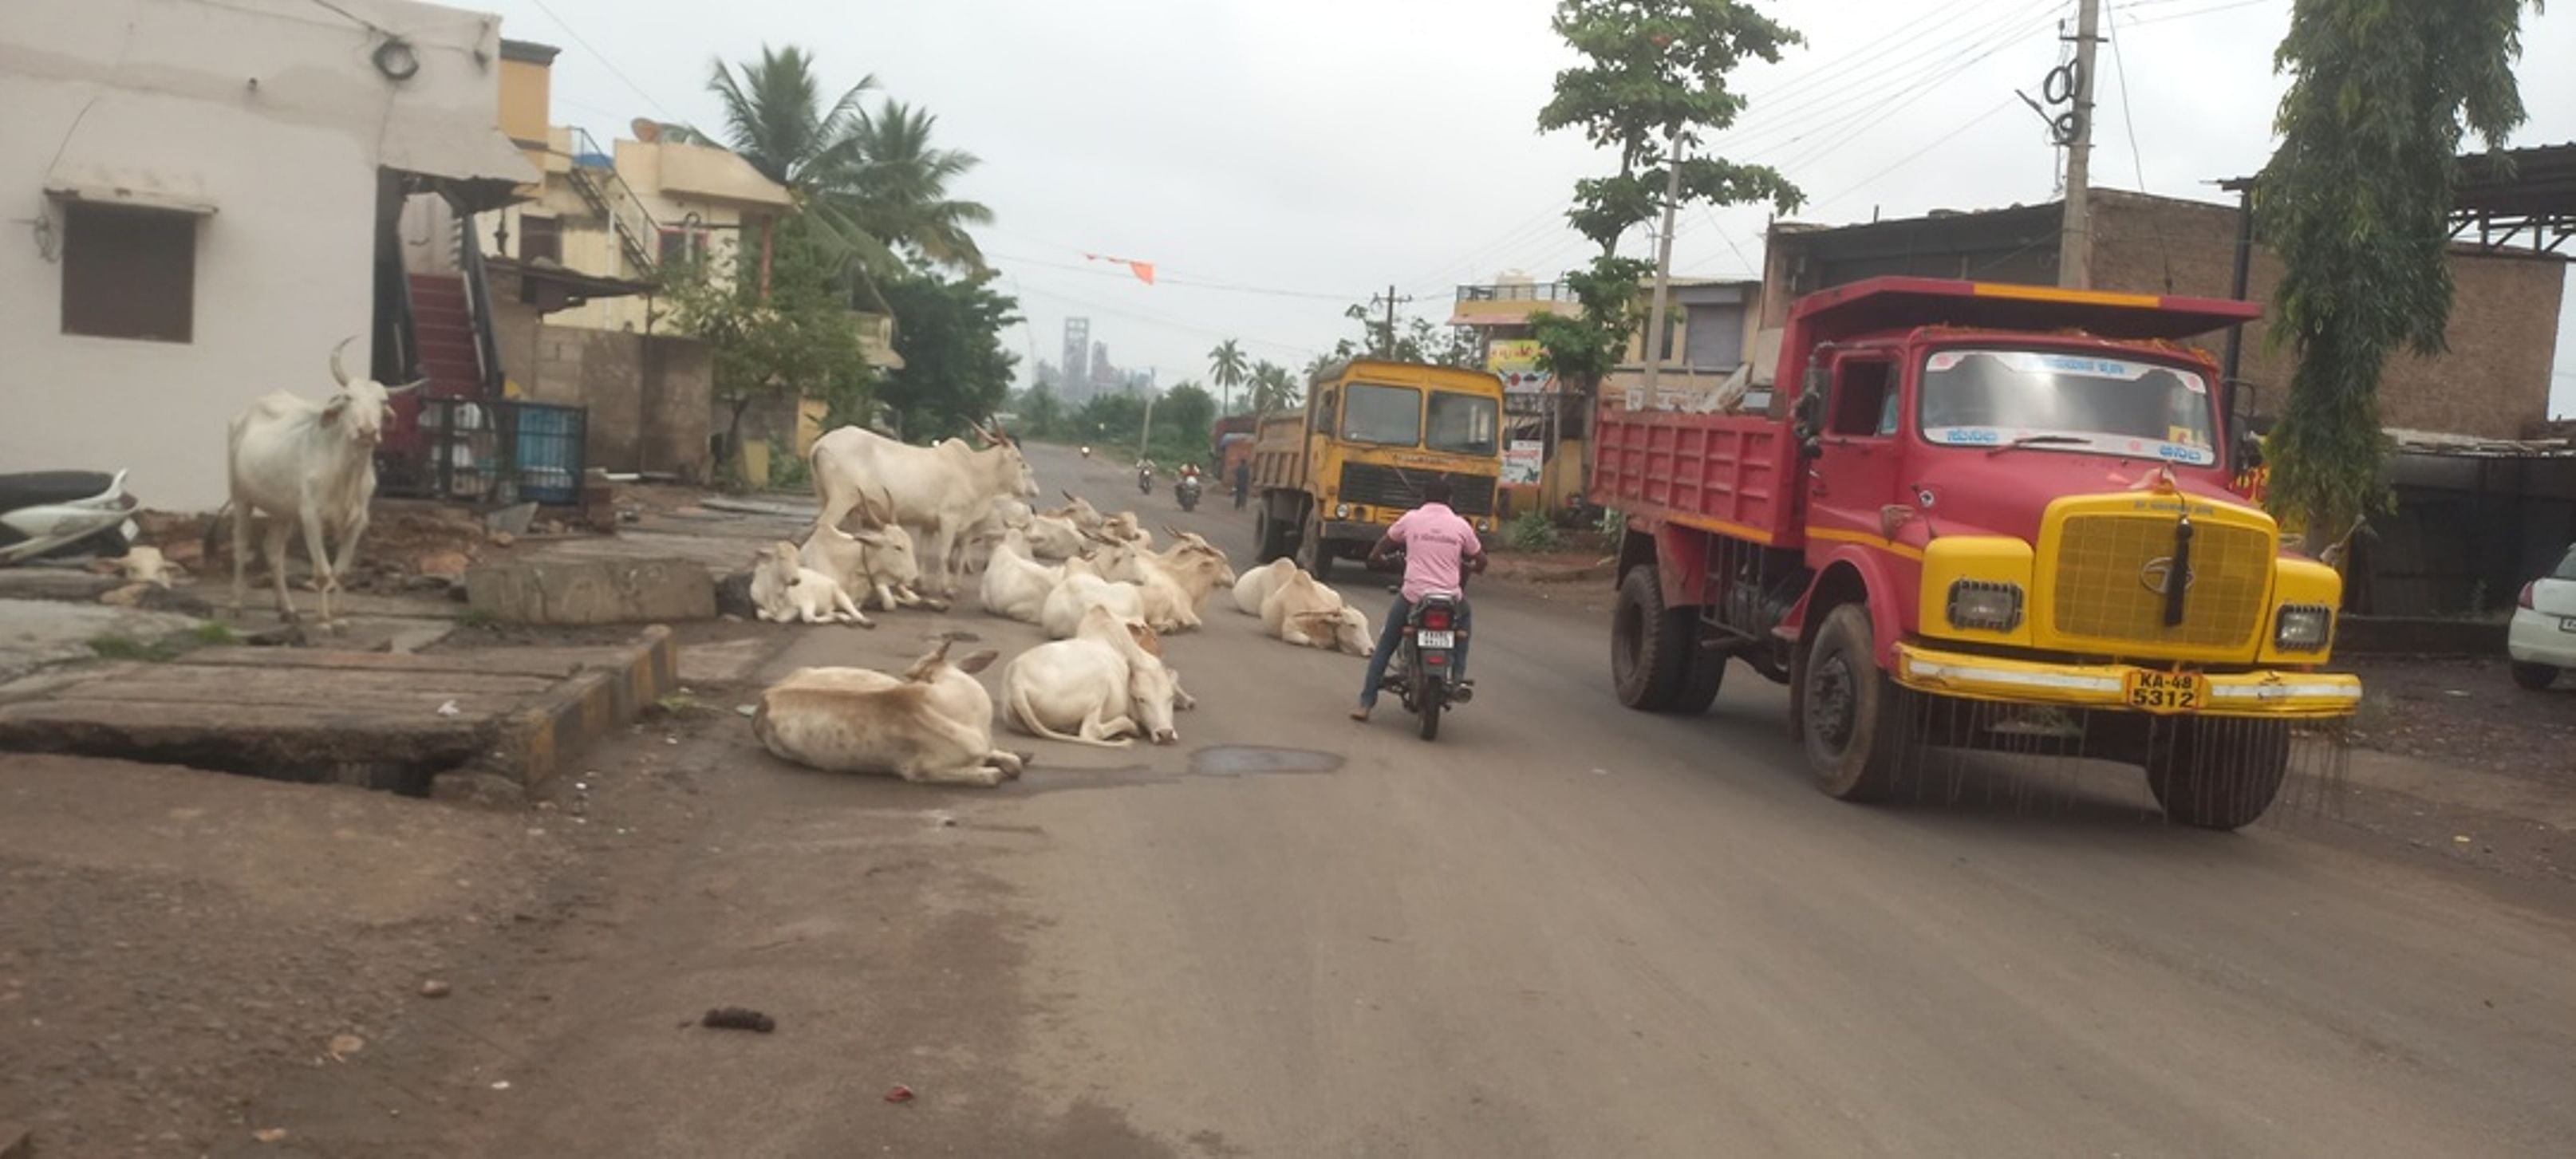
[(1423, 672), (55, 513), (1187, 491), (1086, 452), (1144, 480)]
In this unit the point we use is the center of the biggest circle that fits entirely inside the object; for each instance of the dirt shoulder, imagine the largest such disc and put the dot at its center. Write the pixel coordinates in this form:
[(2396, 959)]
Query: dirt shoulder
[(2467, 712)]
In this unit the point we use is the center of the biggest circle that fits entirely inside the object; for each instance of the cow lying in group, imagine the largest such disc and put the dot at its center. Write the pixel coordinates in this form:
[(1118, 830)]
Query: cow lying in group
[(1053, 537), (1306, 613), (1257, 584), (309, 464), (876, 564), (1100, 687), (937, 493), (934, 724), (784, 591), (974, 549), (1083, 588), (1016, 586), (1174, 584)]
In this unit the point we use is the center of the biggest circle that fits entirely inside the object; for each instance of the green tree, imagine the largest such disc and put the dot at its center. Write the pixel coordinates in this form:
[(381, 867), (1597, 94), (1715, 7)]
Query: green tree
[(1410, 340), (1228, 368), (1041, 413), (955, 372), (1183, 418), (1274, 388), (873, 182), (799, 340), (1652, 80), (2354, 201)]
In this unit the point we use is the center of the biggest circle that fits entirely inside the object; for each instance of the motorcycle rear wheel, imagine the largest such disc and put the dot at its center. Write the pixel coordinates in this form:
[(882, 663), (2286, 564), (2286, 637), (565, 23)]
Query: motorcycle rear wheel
[(1428, 706)]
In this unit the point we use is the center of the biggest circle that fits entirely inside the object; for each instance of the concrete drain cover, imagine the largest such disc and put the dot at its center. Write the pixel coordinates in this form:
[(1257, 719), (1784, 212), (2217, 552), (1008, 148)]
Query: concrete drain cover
[(1237, 760)]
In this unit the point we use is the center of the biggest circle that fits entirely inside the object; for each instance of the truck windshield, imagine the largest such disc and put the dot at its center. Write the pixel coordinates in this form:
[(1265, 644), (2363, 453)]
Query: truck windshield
[(1382, 414), (2068, 402), (1464, 423)]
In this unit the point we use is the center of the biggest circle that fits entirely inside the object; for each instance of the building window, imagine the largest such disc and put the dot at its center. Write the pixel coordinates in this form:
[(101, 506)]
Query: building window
[(683, 245), (540, 237), (129, 273)]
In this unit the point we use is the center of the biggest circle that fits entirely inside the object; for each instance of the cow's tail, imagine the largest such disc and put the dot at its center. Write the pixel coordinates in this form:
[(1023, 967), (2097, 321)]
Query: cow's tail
[(214, 539), (1038, 728)]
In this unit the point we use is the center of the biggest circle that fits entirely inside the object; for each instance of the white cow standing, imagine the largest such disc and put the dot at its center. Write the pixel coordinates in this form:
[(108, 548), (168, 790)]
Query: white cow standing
[(937, 492), (310, 463)]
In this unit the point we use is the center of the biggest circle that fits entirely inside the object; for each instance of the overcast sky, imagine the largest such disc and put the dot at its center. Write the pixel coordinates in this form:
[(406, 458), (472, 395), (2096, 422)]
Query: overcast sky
[(1305, 155)]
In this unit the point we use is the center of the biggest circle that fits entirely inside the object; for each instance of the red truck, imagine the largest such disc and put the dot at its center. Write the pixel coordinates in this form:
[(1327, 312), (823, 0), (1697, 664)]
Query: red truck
[(1977, 516)]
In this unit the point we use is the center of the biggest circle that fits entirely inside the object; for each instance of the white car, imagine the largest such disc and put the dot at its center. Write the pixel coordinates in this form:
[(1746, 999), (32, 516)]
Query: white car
[(2543, 640)]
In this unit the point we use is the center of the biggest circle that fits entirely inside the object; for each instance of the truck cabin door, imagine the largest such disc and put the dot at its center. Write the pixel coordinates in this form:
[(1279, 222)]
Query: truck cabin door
[(1854, 472)]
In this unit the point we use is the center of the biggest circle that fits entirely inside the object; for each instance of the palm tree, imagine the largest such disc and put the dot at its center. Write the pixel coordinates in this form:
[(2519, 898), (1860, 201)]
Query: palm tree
[(1272, 387), (1228, 368), (872, 184)]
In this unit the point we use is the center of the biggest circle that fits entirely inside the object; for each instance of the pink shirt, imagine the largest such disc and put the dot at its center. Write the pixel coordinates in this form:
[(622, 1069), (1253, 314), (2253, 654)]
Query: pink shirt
[(1436, 542)]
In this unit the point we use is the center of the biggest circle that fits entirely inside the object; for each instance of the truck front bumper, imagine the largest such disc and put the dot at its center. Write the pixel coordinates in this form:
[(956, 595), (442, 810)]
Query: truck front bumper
[(2270, 694)]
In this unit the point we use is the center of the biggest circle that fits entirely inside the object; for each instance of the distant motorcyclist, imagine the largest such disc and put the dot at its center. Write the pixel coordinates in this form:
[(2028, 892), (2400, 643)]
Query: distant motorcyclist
[(1439, 548)]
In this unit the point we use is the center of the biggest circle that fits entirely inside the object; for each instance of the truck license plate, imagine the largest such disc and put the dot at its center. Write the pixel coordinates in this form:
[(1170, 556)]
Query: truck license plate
[(2163, 692), (1430, 638)]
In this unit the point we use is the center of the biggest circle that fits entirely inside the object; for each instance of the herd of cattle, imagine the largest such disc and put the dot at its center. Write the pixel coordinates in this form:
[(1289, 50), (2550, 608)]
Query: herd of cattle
[(899, 526), (902, 526)]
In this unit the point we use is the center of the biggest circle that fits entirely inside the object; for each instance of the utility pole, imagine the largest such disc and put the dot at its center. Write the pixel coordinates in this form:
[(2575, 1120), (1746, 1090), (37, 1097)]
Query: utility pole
[(1147, 438), (2075, 241), (1664, 261), (1386, 346)]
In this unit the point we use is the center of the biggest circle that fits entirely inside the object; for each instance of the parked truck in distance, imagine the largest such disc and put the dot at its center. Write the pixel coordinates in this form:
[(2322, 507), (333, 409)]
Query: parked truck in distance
[(1977, 516), (1328, 479)]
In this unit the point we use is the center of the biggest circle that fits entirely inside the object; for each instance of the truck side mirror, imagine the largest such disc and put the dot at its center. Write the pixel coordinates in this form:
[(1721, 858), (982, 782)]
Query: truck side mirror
[(1807, 418), (2249, 450)]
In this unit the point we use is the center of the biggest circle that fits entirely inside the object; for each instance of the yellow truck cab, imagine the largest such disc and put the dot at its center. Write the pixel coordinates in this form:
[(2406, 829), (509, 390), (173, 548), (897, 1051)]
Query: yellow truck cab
[(1332, 477)]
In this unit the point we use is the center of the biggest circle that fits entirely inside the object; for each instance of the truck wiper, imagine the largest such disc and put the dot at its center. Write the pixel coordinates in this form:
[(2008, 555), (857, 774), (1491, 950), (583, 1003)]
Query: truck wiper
[(2042, 441)]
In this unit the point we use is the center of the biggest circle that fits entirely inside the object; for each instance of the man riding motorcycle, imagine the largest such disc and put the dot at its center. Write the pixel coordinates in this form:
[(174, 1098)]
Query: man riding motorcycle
[(1437, 544)]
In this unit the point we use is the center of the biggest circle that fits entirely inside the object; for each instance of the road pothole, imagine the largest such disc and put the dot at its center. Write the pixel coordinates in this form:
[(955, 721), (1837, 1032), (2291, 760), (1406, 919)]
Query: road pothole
[(1241, 760)]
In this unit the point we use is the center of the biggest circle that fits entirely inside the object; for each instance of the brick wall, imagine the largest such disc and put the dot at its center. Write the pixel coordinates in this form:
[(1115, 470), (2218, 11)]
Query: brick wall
[(646, 398), (2493, 382)]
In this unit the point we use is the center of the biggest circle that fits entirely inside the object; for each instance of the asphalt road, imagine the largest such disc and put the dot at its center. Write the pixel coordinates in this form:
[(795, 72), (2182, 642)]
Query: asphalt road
[(1564, 929)]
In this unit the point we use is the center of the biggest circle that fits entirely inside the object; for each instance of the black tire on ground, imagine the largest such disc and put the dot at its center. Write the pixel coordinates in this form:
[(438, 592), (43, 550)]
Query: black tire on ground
[(1428, 705), (1645, 659), (1848, 710), (1703, 671), (2217, 773), (2534, 676), (1319, 554)]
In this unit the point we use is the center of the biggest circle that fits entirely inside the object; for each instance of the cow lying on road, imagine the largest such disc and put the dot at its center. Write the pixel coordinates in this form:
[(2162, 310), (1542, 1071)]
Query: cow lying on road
[(1257, 584), (784, 591), (1016, 586), (1303, 612), (932, 725), (1099, 688)]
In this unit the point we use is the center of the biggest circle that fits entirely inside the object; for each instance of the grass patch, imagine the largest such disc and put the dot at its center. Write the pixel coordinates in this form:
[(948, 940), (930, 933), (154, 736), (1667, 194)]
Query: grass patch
[(476, 618), (119, 646), (214, 634), (1531, 531)]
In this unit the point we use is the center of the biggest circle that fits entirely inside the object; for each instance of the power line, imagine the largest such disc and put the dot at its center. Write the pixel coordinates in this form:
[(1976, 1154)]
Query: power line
[(603, 60), (2159, 19), (2120, 69), (1917, 155)]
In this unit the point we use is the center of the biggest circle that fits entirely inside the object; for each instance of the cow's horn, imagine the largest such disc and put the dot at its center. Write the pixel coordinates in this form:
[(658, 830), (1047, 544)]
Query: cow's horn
[(338, 374), (408, 387)]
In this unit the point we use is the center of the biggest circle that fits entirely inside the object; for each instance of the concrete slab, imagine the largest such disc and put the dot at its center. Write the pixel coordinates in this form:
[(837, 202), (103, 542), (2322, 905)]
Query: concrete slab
[(592, 591), (731, 662), (35, 633), (376, 719)]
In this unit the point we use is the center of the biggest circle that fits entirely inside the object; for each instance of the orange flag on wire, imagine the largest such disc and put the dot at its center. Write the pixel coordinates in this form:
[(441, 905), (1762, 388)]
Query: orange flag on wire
[(1144, 271)]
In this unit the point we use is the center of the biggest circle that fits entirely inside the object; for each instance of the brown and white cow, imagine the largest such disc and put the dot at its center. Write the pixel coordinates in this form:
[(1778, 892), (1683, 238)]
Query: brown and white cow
[(934, 724)]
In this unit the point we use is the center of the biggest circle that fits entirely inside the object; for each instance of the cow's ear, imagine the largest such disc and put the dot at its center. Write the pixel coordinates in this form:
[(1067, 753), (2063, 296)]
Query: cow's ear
[(928, 666), (332, 410), (979, 661)]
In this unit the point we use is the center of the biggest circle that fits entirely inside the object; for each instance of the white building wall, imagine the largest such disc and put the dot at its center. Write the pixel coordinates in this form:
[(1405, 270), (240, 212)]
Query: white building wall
[(271, 111)]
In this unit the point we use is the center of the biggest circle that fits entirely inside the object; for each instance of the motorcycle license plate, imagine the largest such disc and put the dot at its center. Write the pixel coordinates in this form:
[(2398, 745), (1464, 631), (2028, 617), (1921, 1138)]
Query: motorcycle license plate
[(2163, 692), (1433, 638)]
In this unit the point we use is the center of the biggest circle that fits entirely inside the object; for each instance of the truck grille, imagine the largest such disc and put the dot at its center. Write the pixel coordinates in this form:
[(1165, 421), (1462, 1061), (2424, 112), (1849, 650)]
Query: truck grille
[(1378, 485), (2102, 595)]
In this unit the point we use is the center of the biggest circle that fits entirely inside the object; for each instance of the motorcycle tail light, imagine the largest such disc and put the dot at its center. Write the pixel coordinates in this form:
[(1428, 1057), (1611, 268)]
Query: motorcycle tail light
[(1436, 619), (1435, 659)]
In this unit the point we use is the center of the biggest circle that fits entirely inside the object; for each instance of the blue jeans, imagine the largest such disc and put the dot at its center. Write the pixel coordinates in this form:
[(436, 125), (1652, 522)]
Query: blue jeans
[(1393, 634)]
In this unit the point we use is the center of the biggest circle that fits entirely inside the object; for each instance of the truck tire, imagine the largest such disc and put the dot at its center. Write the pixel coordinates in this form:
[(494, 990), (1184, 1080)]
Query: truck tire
[(1847, 710), (2212, 773), (1703, 671), (1319, 554), (1645, 658), (1265, 537)]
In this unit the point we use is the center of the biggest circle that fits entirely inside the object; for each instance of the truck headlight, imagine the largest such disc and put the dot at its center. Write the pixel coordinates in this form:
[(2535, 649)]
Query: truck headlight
[(1986, 605), (2303, 628), (1341, 511)]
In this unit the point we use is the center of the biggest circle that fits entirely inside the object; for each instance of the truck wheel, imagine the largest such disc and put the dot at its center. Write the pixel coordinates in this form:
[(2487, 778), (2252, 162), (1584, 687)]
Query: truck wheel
[(1848, 710), (2217, 774), (2534, 676), (1265, 536), (1703, 671), (1319, 554), (1645, 659)]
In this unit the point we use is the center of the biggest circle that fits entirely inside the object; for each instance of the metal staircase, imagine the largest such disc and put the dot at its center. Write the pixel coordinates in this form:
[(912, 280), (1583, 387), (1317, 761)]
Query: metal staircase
[(608, 196)]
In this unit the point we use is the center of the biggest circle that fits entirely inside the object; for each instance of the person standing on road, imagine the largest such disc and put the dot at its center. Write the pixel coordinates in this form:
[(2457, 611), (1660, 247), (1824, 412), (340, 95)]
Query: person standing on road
[(1242, 479), (1437, 545)]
